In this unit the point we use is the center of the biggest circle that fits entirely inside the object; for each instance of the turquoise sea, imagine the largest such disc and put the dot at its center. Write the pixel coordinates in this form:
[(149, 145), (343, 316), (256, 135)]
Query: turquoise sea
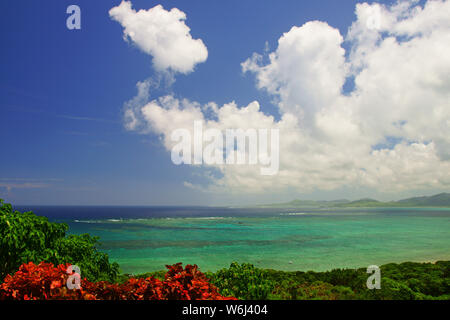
[(146, 239)]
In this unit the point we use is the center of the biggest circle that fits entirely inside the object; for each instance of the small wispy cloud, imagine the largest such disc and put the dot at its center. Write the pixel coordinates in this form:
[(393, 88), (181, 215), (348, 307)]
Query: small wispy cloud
[(26, 183), (30, 179), (71, 117), (28, 109)]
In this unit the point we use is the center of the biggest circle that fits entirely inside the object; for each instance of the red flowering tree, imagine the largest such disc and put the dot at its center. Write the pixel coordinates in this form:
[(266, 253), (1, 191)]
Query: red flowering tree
[(40, 282), (188, 284), (46, 282)]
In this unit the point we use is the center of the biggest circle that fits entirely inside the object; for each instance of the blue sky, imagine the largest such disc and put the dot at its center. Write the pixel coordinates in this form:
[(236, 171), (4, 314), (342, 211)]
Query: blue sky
[(62, 93)]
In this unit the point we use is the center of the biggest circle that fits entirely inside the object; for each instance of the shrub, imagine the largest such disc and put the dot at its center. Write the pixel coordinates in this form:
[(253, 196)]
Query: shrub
[(132, 289), (45, 282), (82, 251), (390, 290), (353, 278), (243, 282), (314, 291), (188, 284), (40, 282), (425, 278)]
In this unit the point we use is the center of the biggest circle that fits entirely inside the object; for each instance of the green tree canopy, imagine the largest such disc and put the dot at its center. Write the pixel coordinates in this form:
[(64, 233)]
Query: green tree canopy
[(26, 237)]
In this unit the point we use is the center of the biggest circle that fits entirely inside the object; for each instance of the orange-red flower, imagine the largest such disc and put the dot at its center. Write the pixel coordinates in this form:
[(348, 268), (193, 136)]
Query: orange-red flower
[(46, 282)]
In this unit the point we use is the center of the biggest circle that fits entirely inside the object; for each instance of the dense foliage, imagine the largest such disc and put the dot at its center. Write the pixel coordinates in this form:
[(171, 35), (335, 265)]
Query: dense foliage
[(40, 282), (243, 282), (46, 282), (405, 281), (26, 237)]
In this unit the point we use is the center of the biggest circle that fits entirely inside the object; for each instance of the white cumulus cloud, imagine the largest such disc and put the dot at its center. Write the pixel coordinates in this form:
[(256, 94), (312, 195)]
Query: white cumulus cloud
[(162, 34), (391, 133)]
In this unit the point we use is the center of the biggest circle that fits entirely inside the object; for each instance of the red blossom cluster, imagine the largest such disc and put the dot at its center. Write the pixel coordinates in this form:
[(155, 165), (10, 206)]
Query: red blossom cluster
[(189, 284), (40, 282), (46, 282)]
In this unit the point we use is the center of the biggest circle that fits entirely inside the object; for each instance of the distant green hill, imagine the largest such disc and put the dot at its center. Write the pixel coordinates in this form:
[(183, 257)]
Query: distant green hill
[(438, 200), (367, 202)]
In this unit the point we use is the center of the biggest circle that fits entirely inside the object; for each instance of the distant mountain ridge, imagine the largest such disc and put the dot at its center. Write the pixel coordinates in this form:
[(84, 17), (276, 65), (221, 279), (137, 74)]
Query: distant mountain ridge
[(438, 200)]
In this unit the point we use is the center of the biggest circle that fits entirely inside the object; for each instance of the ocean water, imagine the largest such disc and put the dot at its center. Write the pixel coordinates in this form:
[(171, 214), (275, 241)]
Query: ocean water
[(144, 239)]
